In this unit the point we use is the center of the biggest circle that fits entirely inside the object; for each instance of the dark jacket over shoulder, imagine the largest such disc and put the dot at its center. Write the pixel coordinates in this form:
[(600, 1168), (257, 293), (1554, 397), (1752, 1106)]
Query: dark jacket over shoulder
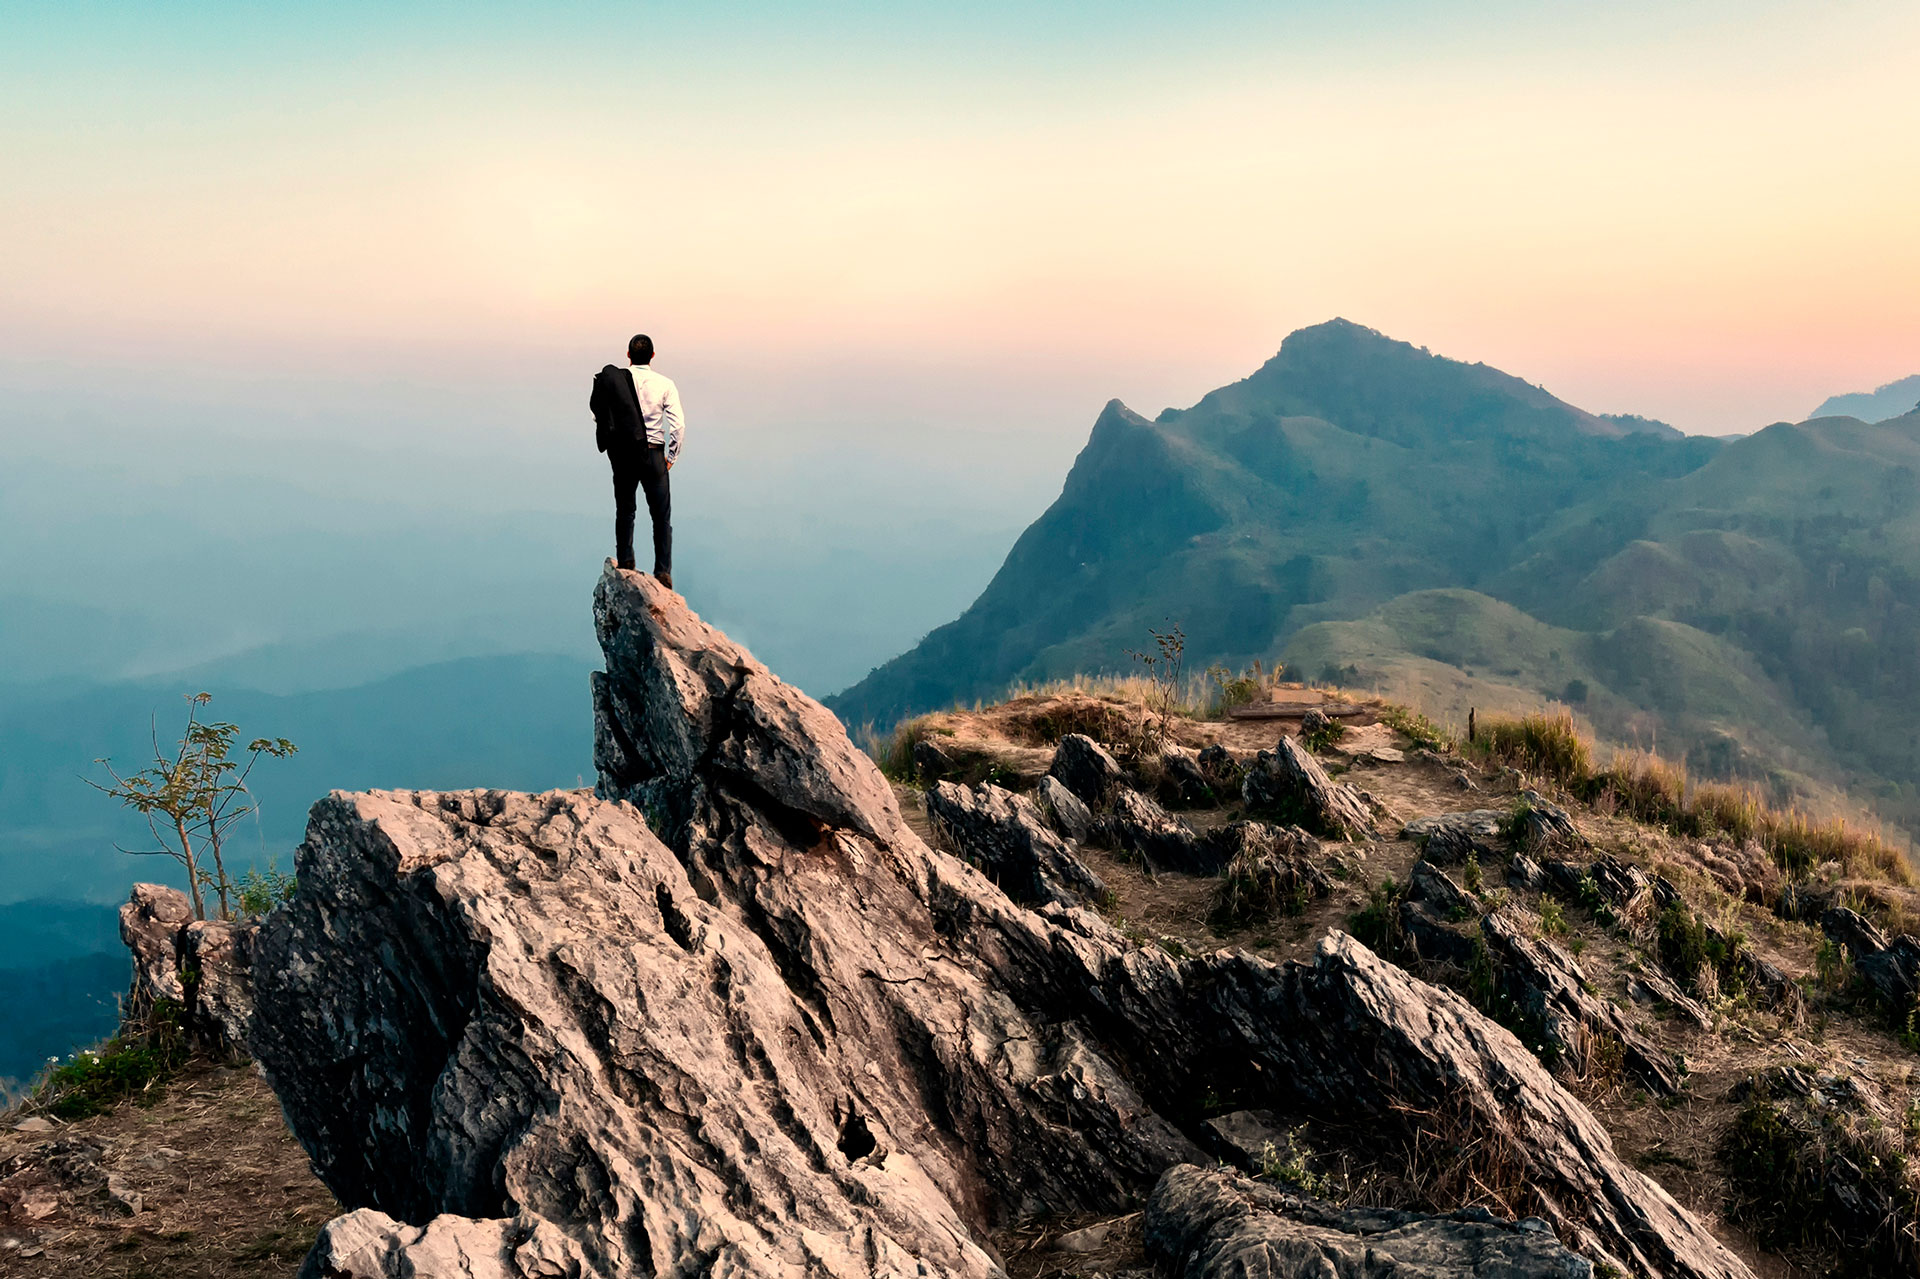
[(616, 410)]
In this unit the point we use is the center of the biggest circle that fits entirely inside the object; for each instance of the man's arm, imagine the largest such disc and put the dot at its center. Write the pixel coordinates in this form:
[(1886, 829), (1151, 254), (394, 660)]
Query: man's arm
[(599, 415), (673, 425)]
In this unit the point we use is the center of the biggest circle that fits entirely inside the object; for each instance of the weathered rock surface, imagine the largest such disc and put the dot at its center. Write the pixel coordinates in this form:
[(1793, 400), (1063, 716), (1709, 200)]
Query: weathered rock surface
[(1004, 835), (1207, 1223), (1185, 780), (150, 924), (1545, 985), (930, 763), (1085, 768), (1538, 823), (1070, 815), (731, 1017), (1135, 824), (1450, 838), (1289, 782), (202, 966), (1270, 870), (1892, 968), (1438, 917)]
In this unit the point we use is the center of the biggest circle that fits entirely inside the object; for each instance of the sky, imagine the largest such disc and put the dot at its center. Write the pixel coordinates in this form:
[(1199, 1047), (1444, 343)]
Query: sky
[(970, 225)]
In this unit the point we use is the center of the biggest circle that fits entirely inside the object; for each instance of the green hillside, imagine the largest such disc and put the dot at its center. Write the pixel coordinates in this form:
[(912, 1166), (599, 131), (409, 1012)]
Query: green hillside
[(1449, 531)]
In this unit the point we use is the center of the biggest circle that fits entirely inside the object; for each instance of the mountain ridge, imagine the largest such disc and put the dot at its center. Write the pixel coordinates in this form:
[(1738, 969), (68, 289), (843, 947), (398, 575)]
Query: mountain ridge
[(1274, 505)]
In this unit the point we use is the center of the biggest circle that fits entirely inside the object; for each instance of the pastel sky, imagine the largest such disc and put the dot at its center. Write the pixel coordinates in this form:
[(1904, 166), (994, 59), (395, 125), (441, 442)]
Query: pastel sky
[(965, 216)]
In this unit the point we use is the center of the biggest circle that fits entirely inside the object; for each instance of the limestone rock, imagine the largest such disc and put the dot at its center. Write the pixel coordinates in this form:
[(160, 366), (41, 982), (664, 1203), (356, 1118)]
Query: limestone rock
[(1537, 823), (930, 763), (201, 966), (1289, 782), (1222, 771), (1135, 824), (1186, 782), (1208, 1223), (1071, 817), (1892, 968), (1086, 769), (731, 1017), (1450, 838), (1003, 834), (150, 924), (1437, 916), (1547, 987)]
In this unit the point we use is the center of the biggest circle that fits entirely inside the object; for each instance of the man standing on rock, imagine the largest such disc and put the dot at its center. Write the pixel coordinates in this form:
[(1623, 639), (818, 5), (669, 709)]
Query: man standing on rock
[(637, 424)]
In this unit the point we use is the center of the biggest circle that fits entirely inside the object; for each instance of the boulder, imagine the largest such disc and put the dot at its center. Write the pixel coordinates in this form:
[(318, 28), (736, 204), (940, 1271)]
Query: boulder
[(1209, 1223), (1270, 872), (1135, 824), (1892, 968), (1004, 835), (1438, 917), (217, 955), (199, 966), (1450, 838), (1222, 771), (150, 924), (1070, 816), (930, 763), (1288, 782), (1537, 823), (1086, 769), (1186, 782), (1545, 987), (731, 1016)]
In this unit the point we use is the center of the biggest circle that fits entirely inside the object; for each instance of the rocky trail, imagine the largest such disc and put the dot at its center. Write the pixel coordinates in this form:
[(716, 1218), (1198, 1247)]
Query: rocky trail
[(1208, 1003)]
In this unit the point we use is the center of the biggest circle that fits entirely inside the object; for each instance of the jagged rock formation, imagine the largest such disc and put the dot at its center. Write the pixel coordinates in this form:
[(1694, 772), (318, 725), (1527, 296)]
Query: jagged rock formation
[(1084, 767), (1206, 1222), (202, 966), (1135, 824), (1268, 870), (1004, 835), (1892, 968), (1450, 838), (1288, 781), (730, 1016), (1071, 817)]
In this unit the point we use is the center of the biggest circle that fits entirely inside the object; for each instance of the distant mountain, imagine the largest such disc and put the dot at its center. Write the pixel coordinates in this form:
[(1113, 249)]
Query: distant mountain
[(1895, 399), (1634, 424), (1363, 508)]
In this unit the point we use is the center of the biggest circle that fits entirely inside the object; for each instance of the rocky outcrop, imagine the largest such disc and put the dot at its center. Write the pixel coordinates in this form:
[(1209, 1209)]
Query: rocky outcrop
[(730, 1016), (1207, 1223), (1269, 871), (1185, 783), (1536, 823), (202, 967), (1004, 835), (1137, 825), (1892, 968), (1450, 838), (150, 924), (1288, 782), (1070, 815), (1546, 989), (1084, 767)]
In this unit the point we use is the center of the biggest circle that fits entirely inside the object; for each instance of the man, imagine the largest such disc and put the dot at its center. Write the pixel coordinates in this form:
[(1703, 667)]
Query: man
[(637, 424)]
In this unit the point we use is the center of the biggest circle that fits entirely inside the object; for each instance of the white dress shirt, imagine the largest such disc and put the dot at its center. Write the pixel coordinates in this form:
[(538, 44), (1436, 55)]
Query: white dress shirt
[(659, 409)]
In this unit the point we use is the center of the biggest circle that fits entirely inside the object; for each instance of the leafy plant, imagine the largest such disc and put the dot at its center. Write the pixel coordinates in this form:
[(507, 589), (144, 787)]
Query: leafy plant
[(1377, 924), (260, 891), (1288, 1165), (1164, 664), (1416, 728), (1553, 918), (192, 797), (125, 1067)]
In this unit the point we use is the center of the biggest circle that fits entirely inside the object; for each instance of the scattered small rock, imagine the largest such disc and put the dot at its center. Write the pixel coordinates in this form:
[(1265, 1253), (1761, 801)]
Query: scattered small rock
[(34, 1123)]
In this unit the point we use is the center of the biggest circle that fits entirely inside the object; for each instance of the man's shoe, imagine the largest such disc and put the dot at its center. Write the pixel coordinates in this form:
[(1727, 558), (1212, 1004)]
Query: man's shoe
[(666, 579)]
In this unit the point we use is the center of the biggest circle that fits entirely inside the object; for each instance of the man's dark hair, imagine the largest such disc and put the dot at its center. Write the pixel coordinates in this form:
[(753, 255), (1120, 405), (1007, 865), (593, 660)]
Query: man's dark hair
[(640, 349)]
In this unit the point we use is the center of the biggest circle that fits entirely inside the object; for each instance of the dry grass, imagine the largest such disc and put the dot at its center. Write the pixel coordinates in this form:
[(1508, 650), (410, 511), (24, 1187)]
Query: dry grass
[(1658, 792), (228, 1193)]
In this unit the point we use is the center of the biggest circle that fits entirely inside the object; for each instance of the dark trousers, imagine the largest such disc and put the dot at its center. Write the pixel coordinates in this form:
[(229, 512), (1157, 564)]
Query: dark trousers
[(642, 467)]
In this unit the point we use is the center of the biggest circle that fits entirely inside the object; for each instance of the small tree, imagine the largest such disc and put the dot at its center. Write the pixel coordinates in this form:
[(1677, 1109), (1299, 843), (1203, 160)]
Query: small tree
[(1164, 666), (192, 797)]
